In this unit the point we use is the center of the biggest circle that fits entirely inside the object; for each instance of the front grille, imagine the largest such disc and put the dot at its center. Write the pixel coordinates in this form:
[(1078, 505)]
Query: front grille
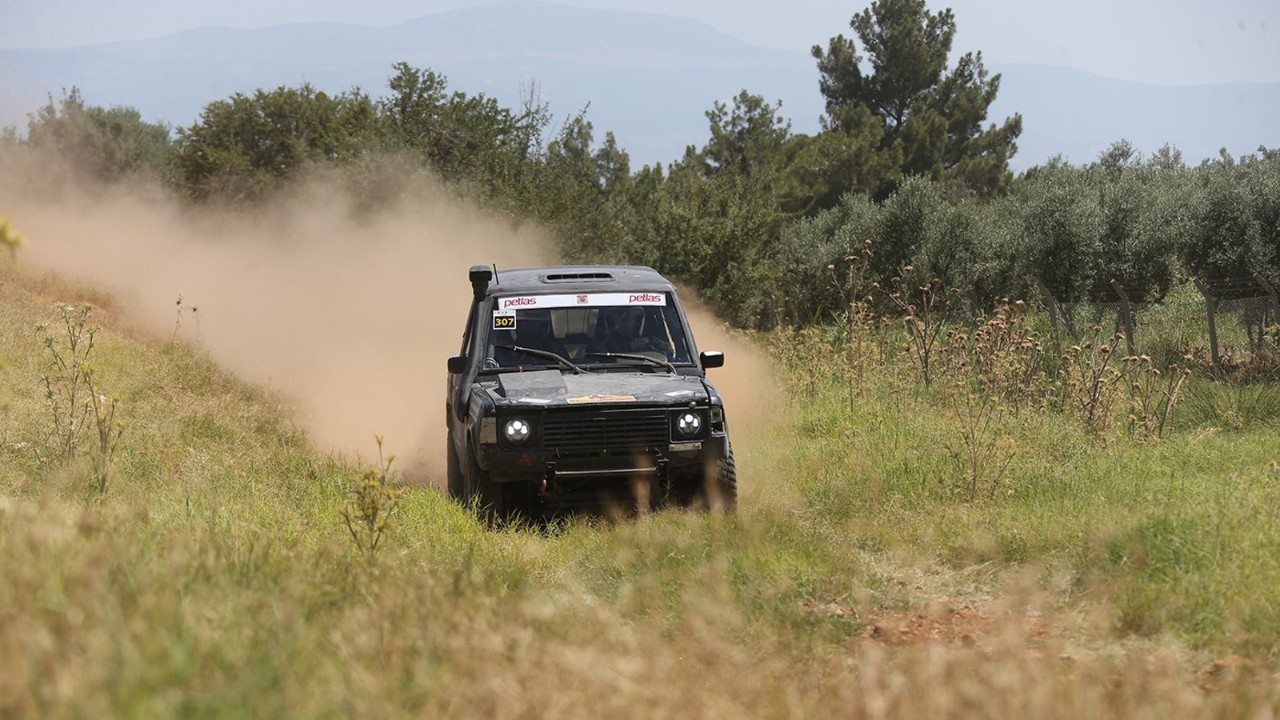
[(575, 432)]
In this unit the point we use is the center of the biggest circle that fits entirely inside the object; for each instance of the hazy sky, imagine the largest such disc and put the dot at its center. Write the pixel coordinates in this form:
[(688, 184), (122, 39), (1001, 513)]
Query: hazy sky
[(1170, 42)]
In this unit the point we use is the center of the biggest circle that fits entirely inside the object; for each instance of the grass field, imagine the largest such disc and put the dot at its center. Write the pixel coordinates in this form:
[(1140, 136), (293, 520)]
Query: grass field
[(213, 575)]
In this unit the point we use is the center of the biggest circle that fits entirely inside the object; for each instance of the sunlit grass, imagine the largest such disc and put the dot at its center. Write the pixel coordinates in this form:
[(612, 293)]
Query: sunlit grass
[(217, 577)]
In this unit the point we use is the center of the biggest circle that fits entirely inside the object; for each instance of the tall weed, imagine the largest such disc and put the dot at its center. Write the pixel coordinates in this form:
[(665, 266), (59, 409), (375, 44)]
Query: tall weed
[(371, 505), (863, 344), (924, 314), (1092, 381), (1153, 397), (1008, 356), (994, 374), (79, 411)]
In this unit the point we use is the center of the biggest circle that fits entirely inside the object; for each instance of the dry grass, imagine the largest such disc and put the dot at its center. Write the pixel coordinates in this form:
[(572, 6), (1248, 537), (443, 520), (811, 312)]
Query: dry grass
[(218, 578)]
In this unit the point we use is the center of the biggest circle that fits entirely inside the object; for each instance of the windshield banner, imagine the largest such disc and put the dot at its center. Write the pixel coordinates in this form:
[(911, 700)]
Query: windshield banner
[(528, 302)]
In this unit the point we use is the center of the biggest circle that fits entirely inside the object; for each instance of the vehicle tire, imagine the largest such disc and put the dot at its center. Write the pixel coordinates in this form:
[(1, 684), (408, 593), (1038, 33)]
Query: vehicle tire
[(457, 490), (493, 498), (726, 485), (480, 487)]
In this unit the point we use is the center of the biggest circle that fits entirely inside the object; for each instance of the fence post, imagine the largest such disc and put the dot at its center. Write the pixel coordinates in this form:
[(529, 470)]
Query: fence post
[(1275, 298), (1126, 314), (1211, 308), (1052, 305)]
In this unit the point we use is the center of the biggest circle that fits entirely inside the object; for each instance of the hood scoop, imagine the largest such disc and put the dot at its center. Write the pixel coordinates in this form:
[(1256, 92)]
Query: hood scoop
[(545, 384)]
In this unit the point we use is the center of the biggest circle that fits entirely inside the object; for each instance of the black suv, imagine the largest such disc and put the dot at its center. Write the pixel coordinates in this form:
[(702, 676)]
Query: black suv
[(582, 386)]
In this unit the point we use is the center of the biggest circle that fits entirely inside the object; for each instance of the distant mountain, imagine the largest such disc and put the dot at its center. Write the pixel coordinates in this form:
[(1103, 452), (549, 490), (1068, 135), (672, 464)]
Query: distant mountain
[(1078, 115), (647, 78)]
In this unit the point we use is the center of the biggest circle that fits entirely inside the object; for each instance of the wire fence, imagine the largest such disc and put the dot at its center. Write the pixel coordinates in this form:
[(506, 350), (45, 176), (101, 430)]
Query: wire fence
[(1233, 322)]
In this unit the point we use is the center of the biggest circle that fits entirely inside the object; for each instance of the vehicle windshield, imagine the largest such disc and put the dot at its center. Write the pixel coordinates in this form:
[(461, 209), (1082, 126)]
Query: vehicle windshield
[(596, 330)]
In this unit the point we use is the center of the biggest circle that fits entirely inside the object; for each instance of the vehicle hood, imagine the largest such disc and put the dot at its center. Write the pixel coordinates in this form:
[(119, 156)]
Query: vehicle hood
[(546, 388)]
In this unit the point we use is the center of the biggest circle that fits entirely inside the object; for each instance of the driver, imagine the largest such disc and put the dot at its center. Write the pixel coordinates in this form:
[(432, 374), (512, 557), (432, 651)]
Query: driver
[(627, 333)]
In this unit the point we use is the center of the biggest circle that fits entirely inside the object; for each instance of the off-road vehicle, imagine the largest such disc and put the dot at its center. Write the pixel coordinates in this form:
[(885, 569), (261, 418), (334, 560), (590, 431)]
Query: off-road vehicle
[(582, 386)]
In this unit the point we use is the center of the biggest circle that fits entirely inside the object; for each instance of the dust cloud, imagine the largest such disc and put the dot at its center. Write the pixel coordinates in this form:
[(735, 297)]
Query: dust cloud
[(348, 311), (746, 383)]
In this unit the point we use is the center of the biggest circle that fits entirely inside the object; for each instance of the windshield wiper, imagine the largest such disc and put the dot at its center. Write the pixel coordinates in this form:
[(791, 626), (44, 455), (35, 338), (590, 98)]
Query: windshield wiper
[(544, 354), (633, 356)]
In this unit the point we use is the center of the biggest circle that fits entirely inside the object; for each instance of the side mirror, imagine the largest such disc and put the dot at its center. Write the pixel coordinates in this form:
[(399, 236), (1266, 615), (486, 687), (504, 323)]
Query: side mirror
[(711, 359), (457, 364)]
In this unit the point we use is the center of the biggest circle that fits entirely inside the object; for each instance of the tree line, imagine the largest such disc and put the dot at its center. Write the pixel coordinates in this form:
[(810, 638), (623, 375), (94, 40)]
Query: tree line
[(757, 217)]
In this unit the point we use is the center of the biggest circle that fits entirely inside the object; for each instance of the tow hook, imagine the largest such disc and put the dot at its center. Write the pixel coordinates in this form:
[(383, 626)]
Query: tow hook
[(545, 486)]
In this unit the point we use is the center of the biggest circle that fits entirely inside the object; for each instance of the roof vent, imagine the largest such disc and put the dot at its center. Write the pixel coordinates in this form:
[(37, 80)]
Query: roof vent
[(576, 276)]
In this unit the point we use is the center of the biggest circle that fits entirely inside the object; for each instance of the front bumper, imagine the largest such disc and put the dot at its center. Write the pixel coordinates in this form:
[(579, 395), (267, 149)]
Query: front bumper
[(652, 476), (510, 465)]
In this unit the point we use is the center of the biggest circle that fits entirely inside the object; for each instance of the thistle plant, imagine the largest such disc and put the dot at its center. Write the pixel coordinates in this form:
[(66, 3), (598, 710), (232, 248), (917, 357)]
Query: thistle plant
[(983, 450), (860, 321), (106, 431), (371, 504), (177, 320), (1007, 355), (78, 409), (992, 373), (924, 311), (1093, 379), (1153, 396)]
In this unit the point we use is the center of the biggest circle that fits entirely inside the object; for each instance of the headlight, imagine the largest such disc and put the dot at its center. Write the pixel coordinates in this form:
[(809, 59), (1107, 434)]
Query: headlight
[(688, 424), (517, 431)]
